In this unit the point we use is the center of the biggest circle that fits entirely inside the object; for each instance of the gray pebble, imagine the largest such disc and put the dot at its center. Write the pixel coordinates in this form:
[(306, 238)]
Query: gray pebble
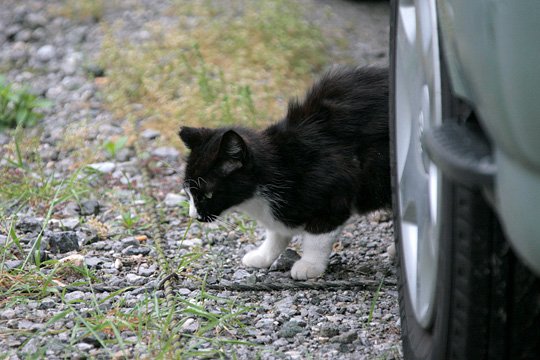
[(329, 330), (93, 261), (289, 329), (134, 279), (166, 152), (184, 291), (12, 264), (147, 270), (12, 30), (60, 242), (106, 167), (74, 295), (35, 20), (46, 53), (241, 274), (84, 347), (285, 261), (346, 338), (172, 199), (29, 225), (136, 250), (150, 134), (47, 303), (89, 207), (31, 346), (264, 323), (24, 35), (7, 314), (188, 243)]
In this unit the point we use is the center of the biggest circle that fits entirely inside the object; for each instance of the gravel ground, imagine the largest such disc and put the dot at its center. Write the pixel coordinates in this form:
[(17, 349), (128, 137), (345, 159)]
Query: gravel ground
[(288, 324)]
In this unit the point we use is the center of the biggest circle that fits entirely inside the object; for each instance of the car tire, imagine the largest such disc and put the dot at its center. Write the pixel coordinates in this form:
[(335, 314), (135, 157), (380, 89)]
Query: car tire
[(485, 303)]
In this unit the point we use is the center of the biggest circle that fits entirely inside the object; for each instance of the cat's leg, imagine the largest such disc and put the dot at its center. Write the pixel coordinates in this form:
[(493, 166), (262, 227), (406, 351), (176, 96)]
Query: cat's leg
[(264, 255), (316, 251)]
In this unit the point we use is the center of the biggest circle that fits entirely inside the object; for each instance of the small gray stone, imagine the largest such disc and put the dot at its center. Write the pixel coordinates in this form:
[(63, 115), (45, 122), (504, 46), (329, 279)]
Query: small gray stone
[(29, 225), (70, 223), (7, 314), (47, 303), (93, 261), (166, 152), (35, 20), (4, 139), (89, 207), (12, 30), (31, 347), (136, 250), (189, 243), (124, 154), (147, 270), (134, 279), (24, 35), (264, 323), (150, 134), (130, 241), (70, 63), (106, 167), (25, 324), (12, 264), (190, 325), (285, 261), (54, 92), (74, 295), (289, 329), (60, 242), (46, 53), (18, 53), (72, 83), (346, 338), (184, 291), (172, 199), (84, 347), (329, 330), (38, 34), (240, 274)]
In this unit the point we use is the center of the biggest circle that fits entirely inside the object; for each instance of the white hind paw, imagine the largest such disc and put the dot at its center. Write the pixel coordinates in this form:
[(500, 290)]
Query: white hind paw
[(303, 270), (257, 259)]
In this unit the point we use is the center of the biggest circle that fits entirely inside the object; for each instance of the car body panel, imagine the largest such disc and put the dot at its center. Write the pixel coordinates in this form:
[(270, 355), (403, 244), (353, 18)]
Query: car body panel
[(492, 51)]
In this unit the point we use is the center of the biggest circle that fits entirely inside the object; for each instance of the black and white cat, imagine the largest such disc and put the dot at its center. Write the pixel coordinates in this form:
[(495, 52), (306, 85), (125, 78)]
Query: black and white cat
[(307, 174)]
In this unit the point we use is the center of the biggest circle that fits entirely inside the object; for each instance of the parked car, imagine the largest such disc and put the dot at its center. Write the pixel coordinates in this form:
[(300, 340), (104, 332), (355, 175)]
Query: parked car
[(465, 133)]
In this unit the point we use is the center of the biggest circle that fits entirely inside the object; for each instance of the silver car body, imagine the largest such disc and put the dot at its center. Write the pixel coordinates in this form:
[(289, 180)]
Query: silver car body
[(492, 50)]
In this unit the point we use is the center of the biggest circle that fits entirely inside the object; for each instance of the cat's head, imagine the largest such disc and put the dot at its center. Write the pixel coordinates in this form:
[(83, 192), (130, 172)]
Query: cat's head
[(218, 172)]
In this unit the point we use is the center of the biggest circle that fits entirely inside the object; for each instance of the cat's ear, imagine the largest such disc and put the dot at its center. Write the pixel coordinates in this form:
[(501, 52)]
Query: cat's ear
[(232, 150), (232, 145), (193, 137)]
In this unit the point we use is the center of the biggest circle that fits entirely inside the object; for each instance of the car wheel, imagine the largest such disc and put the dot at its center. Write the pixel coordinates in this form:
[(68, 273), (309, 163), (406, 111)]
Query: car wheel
[(462, 293)]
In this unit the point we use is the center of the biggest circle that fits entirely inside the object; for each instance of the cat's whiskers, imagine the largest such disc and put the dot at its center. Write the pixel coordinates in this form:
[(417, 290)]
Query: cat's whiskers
[(199, 179), (225, 223)]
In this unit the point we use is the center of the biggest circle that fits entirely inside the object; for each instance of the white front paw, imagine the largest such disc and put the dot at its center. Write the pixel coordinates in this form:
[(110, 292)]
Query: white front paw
[(258, 259), (303, 270)]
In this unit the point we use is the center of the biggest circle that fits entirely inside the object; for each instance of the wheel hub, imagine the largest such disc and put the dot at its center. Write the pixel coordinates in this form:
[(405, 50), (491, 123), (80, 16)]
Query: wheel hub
[(418, 107)]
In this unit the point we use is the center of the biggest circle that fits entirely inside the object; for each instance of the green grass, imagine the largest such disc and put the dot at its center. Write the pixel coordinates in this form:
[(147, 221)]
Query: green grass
[(25, 181), (238, 65), (80, 10), (18, 107)]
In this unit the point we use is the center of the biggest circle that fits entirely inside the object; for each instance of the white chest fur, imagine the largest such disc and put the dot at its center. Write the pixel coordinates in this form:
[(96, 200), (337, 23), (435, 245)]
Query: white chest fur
[(259, 209)]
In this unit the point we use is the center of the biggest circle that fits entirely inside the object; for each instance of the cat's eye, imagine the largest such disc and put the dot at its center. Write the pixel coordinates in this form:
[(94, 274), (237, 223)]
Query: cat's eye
[(209, 195)]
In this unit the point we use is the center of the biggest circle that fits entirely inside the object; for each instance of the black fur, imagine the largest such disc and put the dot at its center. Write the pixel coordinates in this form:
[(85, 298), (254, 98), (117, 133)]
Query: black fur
[(326, 159)]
